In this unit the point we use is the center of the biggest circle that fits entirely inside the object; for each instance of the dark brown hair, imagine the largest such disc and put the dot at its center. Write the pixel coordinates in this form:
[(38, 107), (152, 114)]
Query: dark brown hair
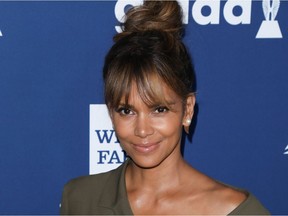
[(149, 52)]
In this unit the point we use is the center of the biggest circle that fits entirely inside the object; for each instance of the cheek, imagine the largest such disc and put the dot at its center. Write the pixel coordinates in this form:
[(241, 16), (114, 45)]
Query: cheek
[(168, 126), (122, 131), (122, 128)]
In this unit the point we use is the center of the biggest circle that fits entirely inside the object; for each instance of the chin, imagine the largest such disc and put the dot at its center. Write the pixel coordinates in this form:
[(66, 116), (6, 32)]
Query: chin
[(146, 162)]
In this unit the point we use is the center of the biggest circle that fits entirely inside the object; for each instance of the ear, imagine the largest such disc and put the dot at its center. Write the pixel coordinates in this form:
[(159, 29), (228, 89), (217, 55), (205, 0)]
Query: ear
[(188, 112)]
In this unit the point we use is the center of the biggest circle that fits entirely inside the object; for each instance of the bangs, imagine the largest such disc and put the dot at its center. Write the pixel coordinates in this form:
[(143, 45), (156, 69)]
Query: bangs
[(139, 72)]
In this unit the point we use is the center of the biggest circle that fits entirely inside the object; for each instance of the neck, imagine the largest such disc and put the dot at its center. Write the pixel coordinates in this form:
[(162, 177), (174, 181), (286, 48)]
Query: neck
[(157, 178)]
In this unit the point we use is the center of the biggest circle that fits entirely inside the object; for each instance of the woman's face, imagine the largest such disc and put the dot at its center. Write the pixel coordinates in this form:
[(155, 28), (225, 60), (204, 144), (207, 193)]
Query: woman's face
[(151, 134)]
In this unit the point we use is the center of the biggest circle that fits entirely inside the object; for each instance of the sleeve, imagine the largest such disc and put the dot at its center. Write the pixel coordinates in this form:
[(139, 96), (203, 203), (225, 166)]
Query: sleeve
[(64, 203), (251, 206)]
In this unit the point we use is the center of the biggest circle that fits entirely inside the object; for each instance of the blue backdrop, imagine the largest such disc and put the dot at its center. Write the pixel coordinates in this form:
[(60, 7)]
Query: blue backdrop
[(51, 58)]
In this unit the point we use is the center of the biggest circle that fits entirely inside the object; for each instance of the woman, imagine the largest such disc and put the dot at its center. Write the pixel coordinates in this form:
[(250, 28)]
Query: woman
[(149, 91)]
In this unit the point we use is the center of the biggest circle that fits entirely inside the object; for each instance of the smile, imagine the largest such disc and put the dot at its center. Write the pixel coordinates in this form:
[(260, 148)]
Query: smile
[(145, 148)]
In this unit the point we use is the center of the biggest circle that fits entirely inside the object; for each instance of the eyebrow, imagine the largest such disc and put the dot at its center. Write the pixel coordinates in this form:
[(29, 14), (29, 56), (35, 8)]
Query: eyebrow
[(126, 105), (168, 103)]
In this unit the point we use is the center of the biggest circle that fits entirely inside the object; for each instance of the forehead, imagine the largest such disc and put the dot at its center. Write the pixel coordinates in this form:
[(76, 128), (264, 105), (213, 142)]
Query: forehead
[(153, 86), (158, 94)]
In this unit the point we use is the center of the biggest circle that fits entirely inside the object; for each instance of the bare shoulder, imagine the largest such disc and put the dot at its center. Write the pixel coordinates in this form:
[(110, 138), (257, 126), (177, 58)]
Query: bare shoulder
[(224, 198), (208, 196)]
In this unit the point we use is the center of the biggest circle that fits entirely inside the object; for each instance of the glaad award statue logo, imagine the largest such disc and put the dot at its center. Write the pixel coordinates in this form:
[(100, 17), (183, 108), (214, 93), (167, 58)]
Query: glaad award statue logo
[(270, 27), (286, 150), (105, 152)]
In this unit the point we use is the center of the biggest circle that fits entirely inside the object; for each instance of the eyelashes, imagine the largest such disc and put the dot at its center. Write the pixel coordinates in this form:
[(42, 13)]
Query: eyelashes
[(127, 110), (161, 109), (124, 111)]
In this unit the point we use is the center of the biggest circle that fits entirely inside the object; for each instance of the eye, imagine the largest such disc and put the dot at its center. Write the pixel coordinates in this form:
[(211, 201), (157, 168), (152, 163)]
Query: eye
[(124, 111), (161, 109)]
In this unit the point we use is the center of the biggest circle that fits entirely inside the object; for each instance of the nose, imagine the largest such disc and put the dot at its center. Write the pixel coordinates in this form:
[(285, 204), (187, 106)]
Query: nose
[(143, 126)]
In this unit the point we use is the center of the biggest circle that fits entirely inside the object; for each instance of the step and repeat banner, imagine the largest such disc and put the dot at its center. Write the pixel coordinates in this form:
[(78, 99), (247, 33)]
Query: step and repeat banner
[(54, 125)]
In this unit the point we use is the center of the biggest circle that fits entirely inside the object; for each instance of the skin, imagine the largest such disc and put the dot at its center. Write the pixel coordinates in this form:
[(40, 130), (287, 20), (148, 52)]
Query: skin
[(158, 180)]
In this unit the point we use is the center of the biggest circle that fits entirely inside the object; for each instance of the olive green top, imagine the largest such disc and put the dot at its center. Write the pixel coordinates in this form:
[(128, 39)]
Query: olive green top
[(105, 194)]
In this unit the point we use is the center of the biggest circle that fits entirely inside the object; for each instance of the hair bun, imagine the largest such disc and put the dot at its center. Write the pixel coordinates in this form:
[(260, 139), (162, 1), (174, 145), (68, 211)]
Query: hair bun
[(154, 15)]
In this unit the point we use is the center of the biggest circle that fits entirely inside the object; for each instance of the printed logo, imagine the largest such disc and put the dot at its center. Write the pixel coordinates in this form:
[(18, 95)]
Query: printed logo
[(197, 11), (214, 6), (1, 34), (270, 27), (120, 9), (286, 150), (105, 151)]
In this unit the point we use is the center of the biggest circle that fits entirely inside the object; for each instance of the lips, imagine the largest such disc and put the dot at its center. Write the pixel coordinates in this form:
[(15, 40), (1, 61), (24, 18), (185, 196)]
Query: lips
[(145, 148)]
